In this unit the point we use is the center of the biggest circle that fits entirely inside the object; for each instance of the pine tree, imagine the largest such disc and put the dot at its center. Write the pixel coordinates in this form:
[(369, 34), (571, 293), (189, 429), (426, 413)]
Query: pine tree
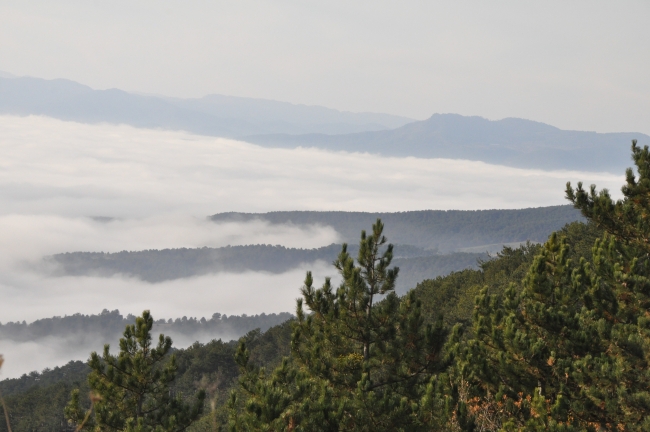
[(362, 358), (619, 382), (131, 391), (569, 348), (522, 343)]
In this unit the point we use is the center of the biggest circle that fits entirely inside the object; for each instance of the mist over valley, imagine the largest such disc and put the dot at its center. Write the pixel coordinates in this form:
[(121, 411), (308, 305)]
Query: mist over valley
[(99, 216), (324, 216)]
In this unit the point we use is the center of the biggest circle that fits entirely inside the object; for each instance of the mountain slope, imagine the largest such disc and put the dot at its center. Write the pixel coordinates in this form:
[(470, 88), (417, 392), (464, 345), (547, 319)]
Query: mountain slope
[(213, 115), (283, 116), (512, 142)]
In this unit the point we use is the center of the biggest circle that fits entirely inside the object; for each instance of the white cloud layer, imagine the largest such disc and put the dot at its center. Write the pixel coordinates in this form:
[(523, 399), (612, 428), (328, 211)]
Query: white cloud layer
[(54, 167), (28, 297), (160, 186)]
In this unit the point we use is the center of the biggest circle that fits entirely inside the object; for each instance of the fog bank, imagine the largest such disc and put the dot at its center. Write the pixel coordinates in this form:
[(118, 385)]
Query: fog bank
[(71, 187), (64, 168)]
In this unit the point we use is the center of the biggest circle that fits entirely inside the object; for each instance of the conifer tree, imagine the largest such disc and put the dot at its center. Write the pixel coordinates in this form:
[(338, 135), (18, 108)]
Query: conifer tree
[(619, 382), (523, 341), (362, 358), (569, 348), (131, 391)]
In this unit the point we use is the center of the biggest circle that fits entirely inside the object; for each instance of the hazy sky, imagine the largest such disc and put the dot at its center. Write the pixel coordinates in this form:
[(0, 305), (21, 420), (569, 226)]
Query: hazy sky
[(576, 65)]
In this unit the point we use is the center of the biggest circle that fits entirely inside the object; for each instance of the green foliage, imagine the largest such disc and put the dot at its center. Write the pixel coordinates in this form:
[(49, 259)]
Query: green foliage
[(357, 363), (452, 296), (36, 401), (568, 349), (267, 349), (418, 269), (523, 339), (131, 391), (40, 408), (72, 373)]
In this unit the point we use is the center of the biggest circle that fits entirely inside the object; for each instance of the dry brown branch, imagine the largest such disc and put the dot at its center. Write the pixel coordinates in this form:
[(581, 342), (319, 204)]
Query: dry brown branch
[(94, 397), (2, 400)]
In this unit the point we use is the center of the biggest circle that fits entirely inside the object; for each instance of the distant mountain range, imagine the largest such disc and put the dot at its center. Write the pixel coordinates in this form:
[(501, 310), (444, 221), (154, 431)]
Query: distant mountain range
[(511, 142), (214, 115)]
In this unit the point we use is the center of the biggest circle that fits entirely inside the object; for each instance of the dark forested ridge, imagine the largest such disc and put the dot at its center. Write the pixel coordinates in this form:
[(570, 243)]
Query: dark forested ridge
[(444, 230), (71, 373), (36, 401), (424, 240), (160, 265), (511, 141), (108, 325)]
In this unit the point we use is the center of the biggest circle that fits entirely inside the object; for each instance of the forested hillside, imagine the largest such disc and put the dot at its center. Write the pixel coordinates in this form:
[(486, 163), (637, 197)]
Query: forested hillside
[(202, 365), (160, 265), (546, 336), (425, 242), (212, 366), (36, 401), (108, 325), (440, 230)]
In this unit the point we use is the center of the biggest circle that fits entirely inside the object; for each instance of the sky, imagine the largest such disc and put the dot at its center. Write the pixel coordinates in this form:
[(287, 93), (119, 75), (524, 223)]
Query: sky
[(577, 65)]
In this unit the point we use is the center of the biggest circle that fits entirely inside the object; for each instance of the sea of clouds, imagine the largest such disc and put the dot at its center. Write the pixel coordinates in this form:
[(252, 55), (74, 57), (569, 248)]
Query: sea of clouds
[(60, 181)]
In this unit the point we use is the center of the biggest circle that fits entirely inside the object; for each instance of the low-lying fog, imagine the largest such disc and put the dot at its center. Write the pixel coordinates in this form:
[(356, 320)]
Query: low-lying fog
[(35, 297), (59, 181), (54, 167)]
